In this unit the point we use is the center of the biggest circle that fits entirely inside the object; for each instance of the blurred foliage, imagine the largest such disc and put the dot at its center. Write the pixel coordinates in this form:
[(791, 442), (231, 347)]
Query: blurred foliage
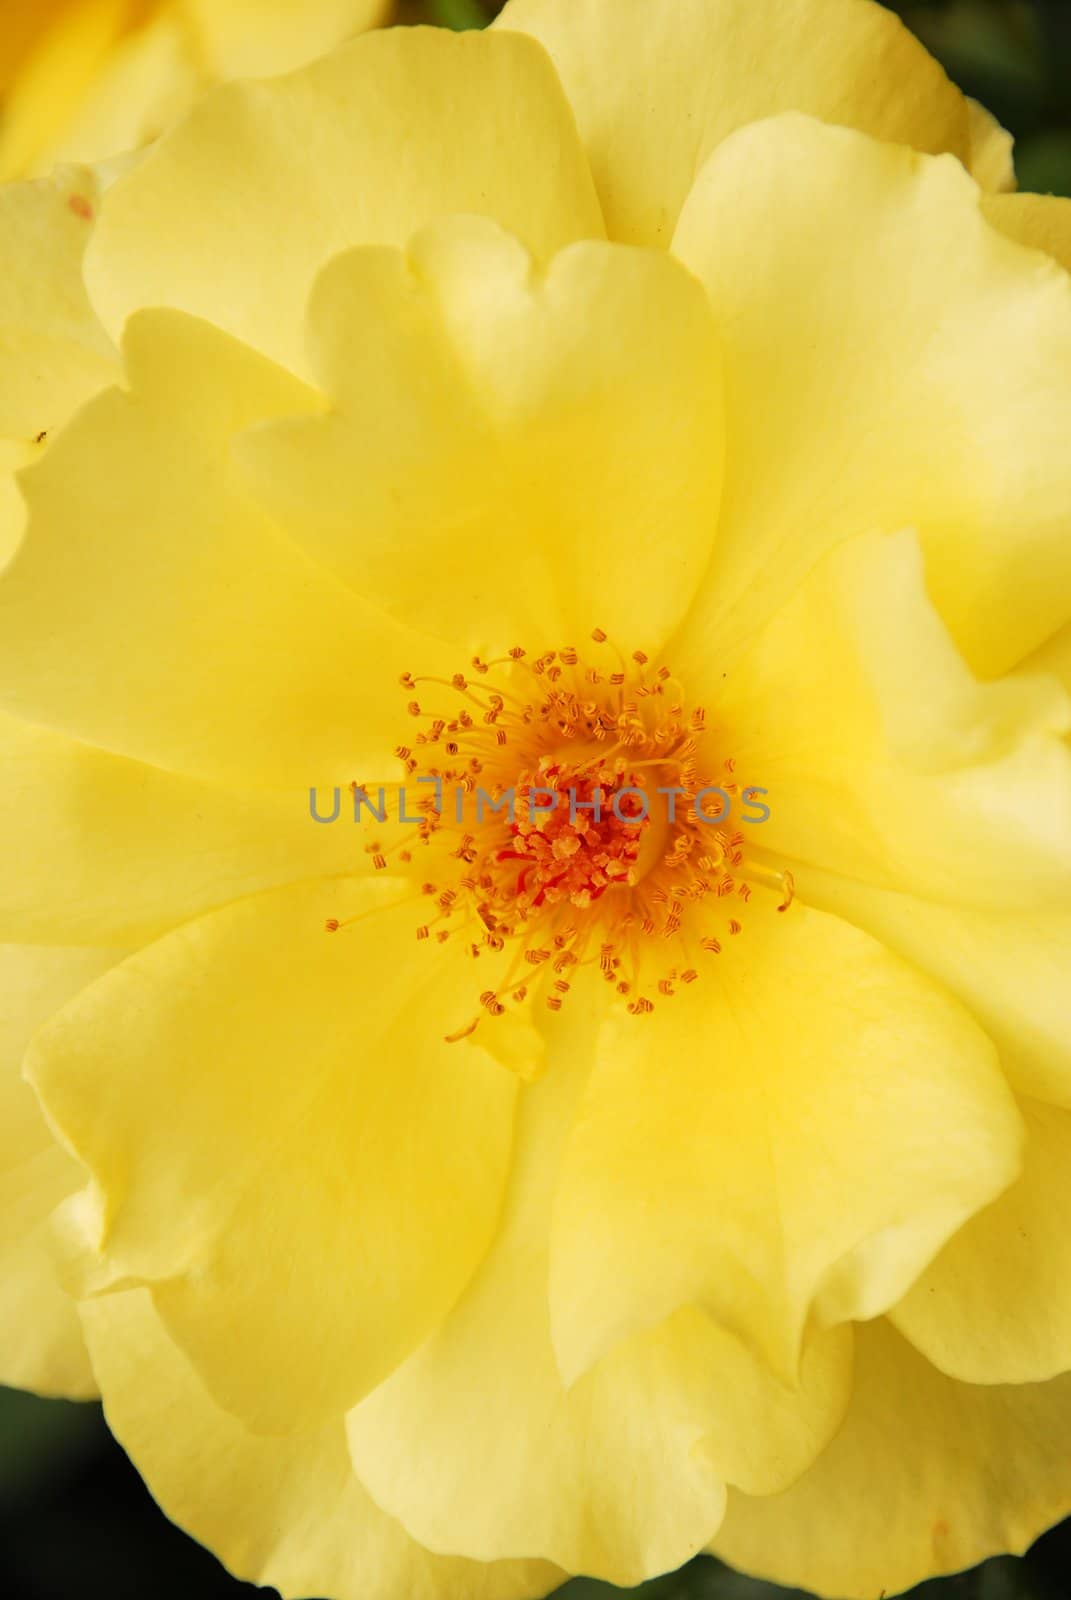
[(75, 1520), (1015, 57), (461, 13)]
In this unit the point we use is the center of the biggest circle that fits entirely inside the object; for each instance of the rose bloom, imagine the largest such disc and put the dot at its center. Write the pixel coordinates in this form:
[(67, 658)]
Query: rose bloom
[(634, 395), (82, 80)]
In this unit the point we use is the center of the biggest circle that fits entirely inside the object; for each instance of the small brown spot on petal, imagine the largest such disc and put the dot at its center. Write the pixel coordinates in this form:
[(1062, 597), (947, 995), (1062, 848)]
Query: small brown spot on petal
[(81, 207)]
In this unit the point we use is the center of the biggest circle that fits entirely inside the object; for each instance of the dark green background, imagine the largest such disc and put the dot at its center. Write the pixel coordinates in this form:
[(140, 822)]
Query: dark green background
[(75, 1520)]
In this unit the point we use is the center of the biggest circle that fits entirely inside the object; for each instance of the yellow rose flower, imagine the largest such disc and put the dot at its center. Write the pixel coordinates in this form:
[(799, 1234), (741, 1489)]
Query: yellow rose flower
[(633, 396), (84, 80)]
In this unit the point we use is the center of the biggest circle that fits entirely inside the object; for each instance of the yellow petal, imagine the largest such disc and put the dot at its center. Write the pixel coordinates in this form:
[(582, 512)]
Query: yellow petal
[(95, 849), (884, 758), (762, 1433), (50, 377), (1055, 657), (272, 1120), (762, 1096), (251, 39), (23, 26), (508, 447), (891, 362), (1040, 221), (54, 76), (990, 160), (107, 76), (195, 636), (144, 83), (608, 1479), (995, 1306), (285, 1512), (657, 87), (289, 173), (14, 455), (41, 1344), (926, 1476), (1009, 968), (617, 1475), (53, 352)]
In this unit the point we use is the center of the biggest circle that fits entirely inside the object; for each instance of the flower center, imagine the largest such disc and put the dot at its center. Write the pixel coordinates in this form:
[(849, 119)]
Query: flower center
[(583, 814)]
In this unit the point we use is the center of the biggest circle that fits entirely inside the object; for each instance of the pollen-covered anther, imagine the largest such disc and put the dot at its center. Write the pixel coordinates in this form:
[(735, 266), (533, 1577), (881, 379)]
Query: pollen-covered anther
[(463, 1033), (551, 829)]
